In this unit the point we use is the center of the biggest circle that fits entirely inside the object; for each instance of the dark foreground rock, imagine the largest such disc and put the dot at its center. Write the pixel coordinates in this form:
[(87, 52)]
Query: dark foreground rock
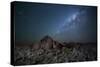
[(49, 51)]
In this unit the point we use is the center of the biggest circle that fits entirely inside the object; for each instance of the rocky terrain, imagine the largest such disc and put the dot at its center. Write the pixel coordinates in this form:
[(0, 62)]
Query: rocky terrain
[(49, 51)]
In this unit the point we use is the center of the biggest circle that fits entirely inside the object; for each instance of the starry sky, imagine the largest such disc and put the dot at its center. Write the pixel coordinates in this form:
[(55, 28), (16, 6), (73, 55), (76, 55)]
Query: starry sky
[(69, 23)]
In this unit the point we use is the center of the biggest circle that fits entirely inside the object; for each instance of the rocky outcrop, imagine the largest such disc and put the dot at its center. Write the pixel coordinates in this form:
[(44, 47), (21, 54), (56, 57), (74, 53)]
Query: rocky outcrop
[(48, 51), (47, 43)]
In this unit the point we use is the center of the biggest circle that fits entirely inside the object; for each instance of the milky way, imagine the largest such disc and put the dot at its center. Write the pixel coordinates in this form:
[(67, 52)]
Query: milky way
[(71, 21), (62, 22)]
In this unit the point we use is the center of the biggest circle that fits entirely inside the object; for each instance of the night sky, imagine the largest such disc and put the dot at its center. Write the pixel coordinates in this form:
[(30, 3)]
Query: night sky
[(68, 23)]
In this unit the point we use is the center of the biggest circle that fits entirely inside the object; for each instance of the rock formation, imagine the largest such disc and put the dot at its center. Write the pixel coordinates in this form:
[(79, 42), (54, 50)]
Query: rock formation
[(48, 50)]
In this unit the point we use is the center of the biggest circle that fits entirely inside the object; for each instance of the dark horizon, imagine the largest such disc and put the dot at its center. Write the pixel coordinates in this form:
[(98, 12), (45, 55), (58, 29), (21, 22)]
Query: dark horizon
[(69, 23)]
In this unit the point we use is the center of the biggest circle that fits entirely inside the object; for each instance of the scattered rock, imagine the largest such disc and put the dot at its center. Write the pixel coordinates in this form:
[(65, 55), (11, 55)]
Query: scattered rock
[(50, 51)]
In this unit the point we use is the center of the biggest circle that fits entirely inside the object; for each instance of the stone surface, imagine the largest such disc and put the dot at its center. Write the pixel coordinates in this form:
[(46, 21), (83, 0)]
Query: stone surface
[(50, 51)]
